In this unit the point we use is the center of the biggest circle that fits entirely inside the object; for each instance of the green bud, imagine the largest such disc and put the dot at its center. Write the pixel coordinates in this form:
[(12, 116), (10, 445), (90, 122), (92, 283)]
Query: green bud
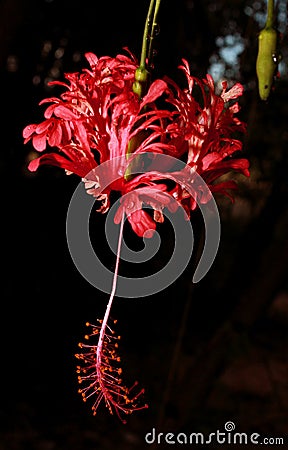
[(141, 75), (266, 64), (137, 88)]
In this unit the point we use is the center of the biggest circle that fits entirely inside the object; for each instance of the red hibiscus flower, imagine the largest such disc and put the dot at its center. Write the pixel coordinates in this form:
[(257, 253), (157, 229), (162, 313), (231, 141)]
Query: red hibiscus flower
[(99, 118), (99, 121)]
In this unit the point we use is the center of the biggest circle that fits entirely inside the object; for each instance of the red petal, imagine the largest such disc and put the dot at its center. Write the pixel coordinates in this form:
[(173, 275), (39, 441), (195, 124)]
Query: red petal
[(118, 215), (65, 113), (54, 159), (142, 223), (156, 89), (39, 142), (92, 59), (34, 164), (44, 126), (29, 130), (56, 135)]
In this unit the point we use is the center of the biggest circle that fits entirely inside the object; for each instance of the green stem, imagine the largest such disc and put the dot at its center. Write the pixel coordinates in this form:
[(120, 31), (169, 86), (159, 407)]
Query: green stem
[(146, 36), (153, 30), (270, 14), (142, 73)]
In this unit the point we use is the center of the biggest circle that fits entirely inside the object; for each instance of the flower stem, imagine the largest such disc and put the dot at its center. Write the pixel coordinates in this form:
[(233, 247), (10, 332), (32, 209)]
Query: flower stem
[(154, 31), (150, 29), (112, 294), (146, 35), (100, 372), (270, 14)]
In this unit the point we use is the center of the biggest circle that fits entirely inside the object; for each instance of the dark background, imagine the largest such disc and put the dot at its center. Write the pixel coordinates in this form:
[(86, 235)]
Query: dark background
[(206, 353)]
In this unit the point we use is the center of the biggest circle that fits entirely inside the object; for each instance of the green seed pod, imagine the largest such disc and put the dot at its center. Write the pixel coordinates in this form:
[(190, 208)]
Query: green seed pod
[(140, 83), (141, 75), (137, 88), (267, 61)]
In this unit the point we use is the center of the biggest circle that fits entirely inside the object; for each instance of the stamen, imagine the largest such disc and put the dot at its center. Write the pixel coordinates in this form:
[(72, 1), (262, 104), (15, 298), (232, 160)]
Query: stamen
[(99, 368), (100, 373)]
